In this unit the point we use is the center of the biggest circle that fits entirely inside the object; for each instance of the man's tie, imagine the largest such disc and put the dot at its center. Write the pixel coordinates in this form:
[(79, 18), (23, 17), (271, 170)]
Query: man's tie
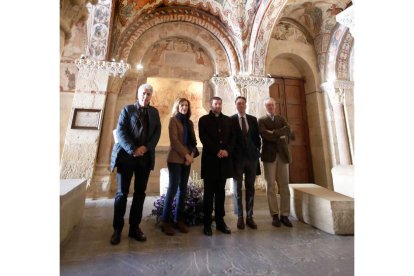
[(244, 127)]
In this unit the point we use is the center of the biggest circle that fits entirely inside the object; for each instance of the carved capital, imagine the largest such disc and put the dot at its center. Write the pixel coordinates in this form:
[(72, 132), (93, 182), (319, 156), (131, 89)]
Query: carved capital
[(245, 81), (240, 83), (335, 94), (343, 84)]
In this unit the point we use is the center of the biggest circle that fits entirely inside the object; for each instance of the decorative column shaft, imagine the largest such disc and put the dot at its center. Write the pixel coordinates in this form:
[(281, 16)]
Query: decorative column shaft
[(336, 97)]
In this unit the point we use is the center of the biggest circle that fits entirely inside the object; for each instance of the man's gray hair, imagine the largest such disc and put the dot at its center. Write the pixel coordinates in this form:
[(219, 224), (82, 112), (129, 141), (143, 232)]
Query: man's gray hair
[(144, 87), (269, 99)]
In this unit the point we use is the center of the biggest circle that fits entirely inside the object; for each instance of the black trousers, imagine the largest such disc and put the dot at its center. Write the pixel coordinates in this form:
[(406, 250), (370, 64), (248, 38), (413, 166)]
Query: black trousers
[(247, 167), (126, 167), (214, 191)]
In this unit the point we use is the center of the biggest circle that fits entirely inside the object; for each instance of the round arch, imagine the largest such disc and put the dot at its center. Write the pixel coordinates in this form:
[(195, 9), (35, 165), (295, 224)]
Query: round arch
[(306, 63), (202, 20), (340, 45)]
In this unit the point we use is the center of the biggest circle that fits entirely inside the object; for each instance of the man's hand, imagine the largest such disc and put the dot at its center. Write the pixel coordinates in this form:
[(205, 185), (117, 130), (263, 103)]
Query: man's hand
[(222, 153), (140, 151)]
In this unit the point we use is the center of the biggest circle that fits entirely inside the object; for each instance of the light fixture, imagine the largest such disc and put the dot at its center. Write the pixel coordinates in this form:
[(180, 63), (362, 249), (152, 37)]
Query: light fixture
[(89, 67), (139, 66)]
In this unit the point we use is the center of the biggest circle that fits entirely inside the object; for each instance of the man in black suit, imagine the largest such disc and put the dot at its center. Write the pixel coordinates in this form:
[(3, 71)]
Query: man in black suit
[(245, 161), (138, 132), (216, 135)]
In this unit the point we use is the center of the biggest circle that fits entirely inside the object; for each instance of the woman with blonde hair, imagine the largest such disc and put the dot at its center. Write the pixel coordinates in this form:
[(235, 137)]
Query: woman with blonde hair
[(180, 156)]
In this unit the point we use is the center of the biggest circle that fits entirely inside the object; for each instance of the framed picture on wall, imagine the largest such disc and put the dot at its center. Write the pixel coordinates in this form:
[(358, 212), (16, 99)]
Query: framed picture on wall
[(86, 118)]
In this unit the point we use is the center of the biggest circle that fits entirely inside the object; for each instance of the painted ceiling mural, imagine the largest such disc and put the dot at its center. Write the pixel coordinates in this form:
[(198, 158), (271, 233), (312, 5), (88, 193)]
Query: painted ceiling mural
[(315, 16), (249, 22), (236, 15)]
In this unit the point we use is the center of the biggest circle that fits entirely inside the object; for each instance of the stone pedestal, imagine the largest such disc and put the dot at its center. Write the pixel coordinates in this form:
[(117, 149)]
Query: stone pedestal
[(72, 204), (322, 208)]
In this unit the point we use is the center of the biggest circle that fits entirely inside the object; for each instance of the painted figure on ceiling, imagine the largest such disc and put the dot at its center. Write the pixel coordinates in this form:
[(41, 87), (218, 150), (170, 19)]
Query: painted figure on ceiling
[(71, 79), (312, 17)]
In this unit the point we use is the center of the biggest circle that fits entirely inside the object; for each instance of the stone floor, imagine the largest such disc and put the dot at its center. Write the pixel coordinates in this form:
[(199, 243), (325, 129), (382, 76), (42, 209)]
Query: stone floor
[(301, 250)]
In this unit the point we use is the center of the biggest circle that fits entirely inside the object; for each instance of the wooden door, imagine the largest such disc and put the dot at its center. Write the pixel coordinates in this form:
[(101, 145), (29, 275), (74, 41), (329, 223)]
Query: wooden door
[(289, 95)]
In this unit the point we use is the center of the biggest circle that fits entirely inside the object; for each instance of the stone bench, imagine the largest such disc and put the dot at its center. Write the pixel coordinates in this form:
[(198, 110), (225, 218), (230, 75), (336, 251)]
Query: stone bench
[(72, 204), (322, 208)]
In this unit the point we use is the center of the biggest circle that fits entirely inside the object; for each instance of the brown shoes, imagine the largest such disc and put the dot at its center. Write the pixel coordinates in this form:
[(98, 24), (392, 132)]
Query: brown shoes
[(240, 223), (250, 222), (182, 226), (167, 228)]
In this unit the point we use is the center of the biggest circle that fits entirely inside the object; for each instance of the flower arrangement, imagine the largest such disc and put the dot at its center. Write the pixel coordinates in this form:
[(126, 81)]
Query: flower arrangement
[(193, 205)]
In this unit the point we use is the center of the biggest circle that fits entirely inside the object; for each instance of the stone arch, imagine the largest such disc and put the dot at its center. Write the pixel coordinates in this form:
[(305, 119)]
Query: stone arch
[(189, 32), (265, 20), (305, 60), (161, 16), (343, 60), (337, 38)]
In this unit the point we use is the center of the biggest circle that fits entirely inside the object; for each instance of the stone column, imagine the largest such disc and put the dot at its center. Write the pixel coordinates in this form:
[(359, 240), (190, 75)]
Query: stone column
[(101, 182), (84, 126), (336, 97)]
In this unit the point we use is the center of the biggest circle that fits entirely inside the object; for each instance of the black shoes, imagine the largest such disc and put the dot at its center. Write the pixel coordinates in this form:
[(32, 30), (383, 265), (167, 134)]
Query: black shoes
[(137, 234), (276, 221), (250, 222), (207, 231), (116, 237), (285, 220), (240, 223), (222, 227)]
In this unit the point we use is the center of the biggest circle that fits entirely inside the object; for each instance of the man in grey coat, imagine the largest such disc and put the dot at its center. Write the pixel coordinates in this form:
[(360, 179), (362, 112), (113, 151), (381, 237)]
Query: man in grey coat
[(138, 132)]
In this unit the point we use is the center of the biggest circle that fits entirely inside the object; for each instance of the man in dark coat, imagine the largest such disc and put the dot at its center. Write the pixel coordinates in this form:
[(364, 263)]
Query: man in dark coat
[(216, 135), (138, 132), (245, 161)]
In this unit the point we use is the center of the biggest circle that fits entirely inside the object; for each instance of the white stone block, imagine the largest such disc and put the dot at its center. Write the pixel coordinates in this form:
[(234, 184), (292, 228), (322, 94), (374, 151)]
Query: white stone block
[(72, 204), (325, 209), (343, 179)]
